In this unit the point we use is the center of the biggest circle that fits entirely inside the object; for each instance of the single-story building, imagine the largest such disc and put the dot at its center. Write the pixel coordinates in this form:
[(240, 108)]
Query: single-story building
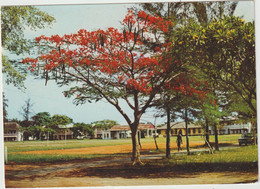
[(102, 134), (12, 132), (64, 132), (124, 131), (231, 126), (177, 127)]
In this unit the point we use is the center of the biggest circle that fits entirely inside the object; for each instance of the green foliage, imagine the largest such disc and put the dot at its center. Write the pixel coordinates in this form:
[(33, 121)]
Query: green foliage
[(210, 112), (41, 119), (224, 50), (14, 20), (12, 76), (202, 12), (80, 129), (60, 120), (56, 121)]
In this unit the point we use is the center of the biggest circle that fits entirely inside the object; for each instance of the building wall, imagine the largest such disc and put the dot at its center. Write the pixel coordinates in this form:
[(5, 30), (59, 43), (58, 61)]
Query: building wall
[(232, 129), (174, 132), (13, 135)]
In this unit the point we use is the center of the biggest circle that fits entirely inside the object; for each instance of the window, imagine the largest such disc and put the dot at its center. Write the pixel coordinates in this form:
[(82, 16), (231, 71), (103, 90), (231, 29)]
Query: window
[(176, 131), (194, 130), (12, 132), (189, 131), (199, 130)]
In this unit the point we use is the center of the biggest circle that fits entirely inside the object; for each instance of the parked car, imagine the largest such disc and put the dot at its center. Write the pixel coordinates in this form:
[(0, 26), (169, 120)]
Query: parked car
[(246, 138), (80, 137)]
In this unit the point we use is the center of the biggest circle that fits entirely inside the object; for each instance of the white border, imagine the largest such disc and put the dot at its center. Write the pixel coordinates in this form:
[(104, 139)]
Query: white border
[(67, 2), (64, 2)]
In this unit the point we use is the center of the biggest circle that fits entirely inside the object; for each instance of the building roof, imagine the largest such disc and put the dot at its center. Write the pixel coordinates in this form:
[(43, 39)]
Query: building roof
[(127, 128), (237, 126), (70, 125), (120, 128), (68, 132), (11, 126), (179, 125)]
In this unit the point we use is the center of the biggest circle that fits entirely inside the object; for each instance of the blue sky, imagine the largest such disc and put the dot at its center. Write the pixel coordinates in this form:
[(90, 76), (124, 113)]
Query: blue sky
[(69, 19)]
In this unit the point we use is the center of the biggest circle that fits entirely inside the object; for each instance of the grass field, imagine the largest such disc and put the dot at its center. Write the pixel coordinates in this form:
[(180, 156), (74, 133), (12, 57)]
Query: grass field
[(16, 149), (72, 144), (243, 154)]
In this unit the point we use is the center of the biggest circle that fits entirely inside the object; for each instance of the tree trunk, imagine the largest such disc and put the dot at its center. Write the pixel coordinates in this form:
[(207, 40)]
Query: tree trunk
[(155, 135), (207, 133), (168, 149), (216, 137), (136, 149), (187, 137), (139, 140), (254, 127), (155, 142)]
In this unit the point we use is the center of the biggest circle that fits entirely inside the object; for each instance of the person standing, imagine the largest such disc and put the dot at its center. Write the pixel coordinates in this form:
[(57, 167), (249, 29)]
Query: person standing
[(179, 141)]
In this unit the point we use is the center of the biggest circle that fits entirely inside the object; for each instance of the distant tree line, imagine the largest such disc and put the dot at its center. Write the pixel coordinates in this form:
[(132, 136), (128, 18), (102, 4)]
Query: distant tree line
[(42, 125)]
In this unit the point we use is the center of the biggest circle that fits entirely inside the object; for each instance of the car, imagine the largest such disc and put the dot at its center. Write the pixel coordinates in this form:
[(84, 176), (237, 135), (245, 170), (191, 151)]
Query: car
[(80, 137), (246, 138)]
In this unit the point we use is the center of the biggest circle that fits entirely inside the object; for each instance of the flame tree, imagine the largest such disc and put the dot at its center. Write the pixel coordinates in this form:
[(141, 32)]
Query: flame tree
[(133, 65)]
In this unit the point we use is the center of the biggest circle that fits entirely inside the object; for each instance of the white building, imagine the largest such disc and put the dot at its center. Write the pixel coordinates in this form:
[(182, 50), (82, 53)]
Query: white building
[(230, 126), (102, 134), (124, 131), (12, 132)]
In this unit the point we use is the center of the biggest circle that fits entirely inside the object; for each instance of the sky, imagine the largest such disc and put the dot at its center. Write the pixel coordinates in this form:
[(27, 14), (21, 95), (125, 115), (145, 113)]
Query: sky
[(69, 19)]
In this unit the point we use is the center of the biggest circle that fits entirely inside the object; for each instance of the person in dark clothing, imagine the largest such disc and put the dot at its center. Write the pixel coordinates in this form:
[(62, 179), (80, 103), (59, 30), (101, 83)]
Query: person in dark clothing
[(179, 141)]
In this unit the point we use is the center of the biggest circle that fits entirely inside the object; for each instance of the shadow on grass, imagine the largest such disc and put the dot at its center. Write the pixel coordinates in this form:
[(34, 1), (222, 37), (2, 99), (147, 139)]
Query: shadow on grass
[(163, 171)]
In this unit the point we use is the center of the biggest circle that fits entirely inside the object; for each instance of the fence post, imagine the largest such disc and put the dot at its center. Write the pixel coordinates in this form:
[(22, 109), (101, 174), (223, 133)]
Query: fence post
[(6, 160)]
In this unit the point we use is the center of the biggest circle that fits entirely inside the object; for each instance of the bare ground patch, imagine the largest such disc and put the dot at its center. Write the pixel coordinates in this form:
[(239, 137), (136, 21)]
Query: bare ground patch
[(126, 175)]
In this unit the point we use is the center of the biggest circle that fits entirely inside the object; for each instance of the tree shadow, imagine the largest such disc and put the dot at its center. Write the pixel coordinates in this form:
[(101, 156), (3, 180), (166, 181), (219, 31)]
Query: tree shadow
[(163, 171)]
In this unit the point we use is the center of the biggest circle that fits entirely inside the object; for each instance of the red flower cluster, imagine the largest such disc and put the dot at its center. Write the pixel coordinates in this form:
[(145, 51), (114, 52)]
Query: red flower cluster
[(187, 86), (32, 61), (155, 22), (140, 85)]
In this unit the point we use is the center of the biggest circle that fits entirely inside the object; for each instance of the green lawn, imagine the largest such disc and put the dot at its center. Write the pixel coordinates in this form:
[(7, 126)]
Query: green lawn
[(70, 144), (242, 154), (241, 159), (61, 144)]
